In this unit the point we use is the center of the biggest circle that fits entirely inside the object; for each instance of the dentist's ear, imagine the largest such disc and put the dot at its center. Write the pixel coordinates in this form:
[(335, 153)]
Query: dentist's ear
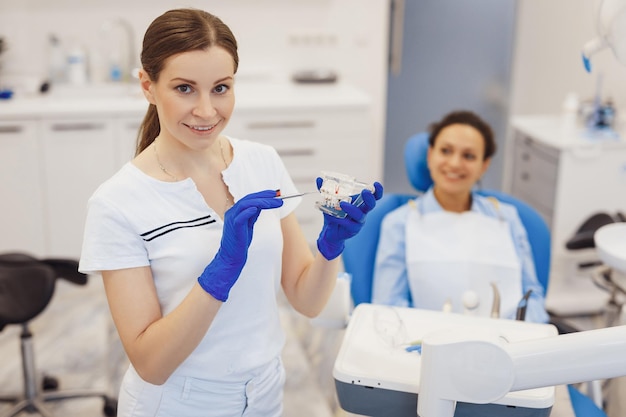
[(146, 86)]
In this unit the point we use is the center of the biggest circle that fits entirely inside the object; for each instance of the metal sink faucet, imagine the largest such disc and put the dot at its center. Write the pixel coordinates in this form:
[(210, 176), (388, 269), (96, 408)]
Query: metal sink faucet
[(129, 64)]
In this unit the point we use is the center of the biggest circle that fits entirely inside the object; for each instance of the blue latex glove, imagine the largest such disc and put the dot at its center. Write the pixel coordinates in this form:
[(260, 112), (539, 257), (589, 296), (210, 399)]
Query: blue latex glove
[(335, 231), (221, 274)]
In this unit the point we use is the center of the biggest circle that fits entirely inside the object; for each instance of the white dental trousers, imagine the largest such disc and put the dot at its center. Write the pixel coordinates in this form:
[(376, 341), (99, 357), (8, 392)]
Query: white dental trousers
[(449, 254), (259, 396)]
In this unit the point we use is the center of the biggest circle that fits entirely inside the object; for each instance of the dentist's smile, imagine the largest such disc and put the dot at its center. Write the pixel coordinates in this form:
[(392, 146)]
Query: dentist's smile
[(200, 128)]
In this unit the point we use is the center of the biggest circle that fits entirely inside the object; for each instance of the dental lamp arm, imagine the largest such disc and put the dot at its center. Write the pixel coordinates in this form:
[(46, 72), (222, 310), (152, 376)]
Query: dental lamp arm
[(477, 366)]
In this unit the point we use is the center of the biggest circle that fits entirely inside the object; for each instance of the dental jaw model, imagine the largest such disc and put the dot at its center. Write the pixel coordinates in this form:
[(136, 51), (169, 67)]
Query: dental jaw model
[(337, 188)]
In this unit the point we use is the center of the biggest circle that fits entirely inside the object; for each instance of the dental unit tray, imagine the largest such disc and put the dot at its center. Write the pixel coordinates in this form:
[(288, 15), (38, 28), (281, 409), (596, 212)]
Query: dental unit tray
[(336, 188), (376, 376)]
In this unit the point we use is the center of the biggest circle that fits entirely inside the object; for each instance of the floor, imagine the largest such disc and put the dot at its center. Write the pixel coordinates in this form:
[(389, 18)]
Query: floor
[(75, 341)]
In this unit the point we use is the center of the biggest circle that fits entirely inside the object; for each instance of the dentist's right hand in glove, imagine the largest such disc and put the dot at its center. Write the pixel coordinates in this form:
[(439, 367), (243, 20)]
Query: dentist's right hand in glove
[(224, 270)]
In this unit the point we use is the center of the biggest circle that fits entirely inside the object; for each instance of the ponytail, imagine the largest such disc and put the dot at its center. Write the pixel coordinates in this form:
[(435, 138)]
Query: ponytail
[(149, 130)]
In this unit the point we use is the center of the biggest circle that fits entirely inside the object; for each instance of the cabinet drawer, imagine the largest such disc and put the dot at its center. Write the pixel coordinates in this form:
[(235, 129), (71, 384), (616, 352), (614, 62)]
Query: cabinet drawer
[(535, 173), (21, 188), (78, 156), (536, 148)]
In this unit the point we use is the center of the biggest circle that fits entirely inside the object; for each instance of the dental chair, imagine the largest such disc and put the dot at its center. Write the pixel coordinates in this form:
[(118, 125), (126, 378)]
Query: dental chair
[(364, 245), (26, 288)]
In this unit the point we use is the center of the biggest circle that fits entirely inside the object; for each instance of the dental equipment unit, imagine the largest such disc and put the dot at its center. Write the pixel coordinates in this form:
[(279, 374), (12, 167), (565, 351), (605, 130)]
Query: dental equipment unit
[(407, 362), (472, 365), (377, 371), (476, 366), (611, 28)]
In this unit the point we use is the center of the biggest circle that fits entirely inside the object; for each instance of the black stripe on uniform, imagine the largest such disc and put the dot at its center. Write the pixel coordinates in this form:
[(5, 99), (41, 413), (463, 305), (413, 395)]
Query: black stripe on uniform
[(162, 230)]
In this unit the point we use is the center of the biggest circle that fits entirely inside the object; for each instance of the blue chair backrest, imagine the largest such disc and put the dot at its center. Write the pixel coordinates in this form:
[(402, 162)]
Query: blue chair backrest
[(360, 252), (582, 405)]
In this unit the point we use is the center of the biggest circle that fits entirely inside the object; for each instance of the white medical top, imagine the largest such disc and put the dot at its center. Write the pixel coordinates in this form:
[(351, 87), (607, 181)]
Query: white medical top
[(135, 220)]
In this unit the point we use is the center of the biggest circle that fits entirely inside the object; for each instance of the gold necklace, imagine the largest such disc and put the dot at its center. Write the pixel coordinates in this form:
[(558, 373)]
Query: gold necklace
[(165, 171), (229, 201)]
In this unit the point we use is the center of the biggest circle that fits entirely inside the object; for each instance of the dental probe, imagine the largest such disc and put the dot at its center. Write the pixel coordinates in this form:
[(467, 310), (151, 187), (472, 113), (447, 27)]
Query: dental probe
[(295, 195)]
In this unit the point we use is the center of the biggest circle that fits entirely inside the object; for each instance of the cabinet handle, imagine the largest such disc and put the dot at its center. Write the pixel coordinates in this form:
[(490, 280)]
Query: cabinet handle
[(282, 125), (11, 129), (296, 152), (67, 127)]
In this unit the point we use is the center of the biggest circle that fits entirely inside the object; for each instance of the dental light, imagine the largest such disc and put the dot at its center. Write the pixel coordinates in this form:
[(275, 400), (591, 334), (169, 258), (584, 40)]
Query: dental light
[(611, 28)]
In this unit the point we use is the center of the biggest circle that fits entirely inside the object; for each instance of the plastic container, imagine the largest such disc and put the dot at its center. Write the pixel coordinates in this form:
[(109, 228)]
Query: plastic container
[(338, 187), (569, 116), (56, 61), (77, 66)]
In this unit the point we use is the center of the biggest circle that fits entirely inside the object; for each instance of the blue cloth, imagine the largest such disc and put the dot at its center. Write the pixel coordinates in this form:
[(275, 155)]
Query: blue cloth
[(391, 284)]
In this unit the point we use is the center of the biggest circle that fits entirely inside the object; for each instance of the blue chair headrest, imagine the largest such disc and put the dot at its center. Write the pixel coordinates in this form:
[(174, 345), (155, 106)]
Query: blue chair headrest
[(415, 161)]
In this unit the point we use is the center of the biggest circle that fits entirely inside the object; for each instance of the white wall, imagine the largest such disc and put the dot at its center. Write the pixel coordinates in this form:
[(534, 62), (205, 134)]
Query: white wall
[(548, 64)]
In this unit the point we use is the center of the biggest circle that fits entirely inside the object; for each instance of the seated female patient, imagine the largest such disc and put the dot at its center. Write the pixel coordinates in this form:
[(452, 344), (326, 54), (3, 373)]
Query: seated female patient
[(449, 248)]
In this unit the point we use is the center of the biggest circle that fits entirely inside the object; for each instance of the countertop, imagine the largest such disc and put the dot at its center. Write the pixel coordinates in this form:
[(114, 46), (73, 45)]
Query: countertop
[(549, 130), (121, 99)]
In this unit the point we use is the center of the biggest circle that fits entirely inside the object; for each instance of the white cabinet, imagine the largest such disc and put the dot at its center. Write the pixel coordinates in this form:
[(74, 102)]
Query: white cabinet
[(535, 173), (125, 130), (567, 178), (78, 155), (21, 219), (49, 169)]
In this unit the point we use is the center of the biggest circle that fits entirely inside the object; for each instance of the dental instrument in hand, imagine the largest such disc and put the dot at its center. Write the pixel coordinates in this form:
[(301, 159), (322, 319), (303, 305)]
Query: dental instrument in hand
[(294, 195)]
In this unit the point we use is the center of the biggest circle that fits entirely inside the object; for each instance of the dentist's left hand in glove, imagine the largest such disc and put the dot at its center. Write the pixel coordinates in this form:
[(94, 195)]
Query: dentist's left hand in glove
[(336, 231)]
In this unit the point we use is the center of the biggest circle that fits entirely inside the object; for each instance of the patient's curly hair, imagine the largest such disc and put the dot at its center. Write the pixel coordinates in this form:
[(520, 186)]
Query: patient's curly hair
[(465, 117)]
